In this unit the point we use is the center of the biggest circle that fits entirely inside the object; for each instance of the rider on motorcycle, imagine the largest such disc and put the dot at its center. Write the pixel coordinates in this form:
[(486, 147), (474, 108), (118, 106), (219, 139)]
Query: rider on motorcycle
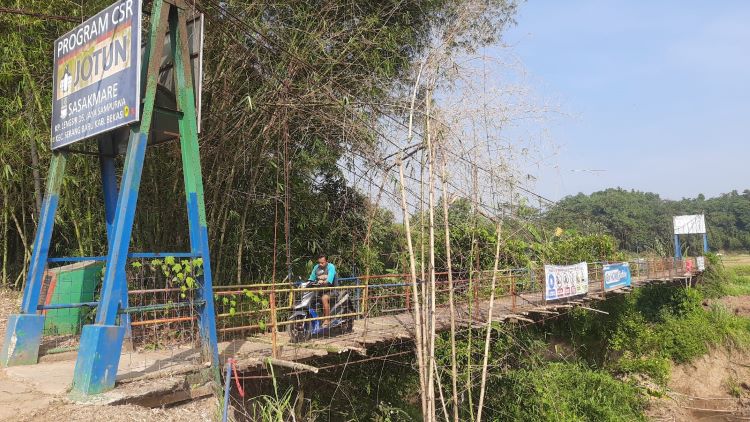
[(324, 273)]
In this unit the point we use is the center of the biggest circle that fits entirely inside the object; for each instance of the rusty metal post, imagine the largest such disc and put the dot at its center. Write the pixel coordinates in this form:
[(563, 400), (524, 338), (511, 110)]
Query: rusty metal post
[(512, 292), (365, 295), (671, 270), (476, 295), (274, 345), (408, 298)]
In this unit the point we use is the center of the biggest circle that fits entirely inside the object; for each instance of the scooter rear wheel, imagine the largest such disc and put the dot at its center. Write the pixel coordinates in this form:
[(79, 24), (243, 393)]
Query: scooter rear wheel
[(297, 330)]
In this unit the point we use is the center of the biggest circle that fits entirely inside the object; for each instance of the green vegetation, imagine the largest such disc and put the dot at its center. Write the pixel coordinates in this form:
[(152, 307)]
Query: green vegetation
[(527, 383), (565, 391), (730, 279), (645, 331), (583, 366), (292, 97), (642, 221)]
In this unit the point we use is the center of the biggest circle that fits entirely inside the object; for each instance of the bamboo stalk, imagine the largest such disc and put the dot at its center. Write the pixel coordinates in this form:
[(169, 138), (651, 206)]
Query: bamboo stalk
[(431, 268), (489, 328), (415, 293), (451, 304), (5, 237), (474, 271), (442, 397), (412, 262)]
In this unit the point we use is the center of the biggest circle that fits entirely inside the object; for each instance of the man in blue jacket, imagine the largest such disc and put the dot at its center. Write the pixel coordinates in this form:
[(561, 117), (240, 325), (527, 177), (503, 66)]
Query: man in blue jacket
[(324, 273)]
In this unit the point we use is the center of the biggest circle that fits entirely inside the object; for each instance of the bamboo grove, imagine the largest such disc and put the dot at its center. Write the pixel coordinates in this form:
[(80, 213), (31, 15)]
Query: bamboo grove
[(290, 90)]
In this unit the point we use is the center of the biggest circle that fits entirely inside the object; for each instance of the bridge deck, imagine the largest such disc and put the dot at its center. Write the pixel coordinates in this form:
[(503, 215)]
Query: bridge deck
[(159, 377), (383, 329)]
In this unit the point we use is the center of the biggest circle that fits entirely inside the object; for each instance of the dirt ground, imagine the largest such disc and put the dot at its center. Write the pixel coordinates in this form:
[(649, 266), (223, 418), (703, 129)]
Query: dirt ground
[(22, 402), (738, 305), (715, 387)]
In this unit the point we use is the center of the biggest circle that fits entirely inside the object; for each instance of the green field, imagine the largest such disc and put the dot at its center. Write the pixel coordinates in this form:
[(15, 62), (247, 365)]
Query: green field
[(732, 261), (738, 274)]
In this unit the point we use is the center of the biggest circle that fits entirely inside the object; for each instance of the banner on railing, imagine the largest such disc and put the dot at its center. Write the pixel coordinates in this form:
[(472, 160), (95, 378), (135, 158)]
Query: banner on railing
[(566, 280), (616, 276)]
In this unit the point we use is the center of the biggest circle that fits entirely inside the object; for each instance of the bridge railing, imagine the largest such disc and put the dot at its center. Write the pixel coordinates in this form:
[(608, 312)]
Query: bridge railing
[(162, 311), (380, 295)]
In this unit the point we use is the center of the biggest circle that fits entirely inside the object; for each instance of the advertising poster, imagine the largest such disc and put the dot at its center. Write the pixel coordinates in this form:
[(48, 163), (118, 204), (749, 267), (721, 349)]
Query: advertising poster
[(689, 224), (565, 280), (701, 263)]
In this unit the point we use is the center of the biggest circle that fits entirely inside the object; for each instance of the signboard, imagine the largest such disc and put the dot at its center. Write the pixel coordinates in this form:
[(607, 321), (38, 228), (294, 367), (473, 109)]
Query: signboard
[(700, 261), (194, 26), (616, 276), (565, 280), (96, 74), (689, 224)]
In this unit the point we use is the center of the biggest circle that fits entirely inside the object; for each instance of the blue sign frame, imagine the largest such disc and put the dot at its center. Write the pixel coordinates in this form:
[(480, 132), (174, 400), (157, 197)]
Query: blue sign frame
[(96, 75)]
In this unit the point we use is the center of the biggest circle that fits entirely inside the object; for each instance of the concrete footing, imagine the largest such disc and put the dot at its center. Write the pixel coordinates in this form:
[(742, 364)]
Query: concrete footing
[(22, 339), (98, 358)]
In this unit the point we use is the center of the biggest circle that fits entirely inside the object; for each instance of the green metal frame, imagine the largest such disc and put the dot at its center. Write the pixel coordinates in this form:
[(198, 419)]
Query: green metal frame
[(101, 343)]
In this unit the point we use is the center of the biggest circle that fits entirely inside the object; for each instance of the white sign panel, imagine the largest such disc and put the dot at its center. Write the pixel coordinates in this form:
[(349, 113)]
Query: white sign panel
[(565, 280), (701, 262), (689, 224)]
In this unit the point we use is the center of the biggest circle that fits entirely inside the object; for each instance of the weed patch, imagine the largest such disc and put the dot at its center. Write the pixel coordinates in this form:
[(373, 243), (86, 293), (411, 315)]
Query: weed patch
[(565, 391)]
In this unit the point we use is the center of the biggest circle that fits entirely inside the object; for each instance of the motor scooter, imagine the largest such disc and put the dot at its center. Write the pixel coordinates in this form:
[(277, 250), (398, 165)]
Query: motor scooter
[(303, 324)]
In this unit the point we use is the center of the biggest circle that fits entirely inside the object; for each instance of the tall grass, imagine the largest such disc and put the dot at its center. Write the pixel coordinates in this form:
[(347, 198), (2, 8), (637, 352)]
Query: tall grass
[(278, 407)]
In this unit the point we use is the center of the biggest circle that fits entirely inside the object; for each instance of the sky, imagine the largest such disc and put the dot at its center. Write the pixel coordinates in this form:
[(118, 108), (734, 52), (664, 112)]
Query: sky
[(656, 94)]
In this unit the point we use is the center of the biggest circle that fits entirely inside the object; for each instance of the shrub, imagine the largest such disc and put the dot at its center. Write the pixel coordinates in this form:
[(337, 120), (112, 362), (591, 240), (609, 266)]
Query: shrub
[(564, 391), (656, 368)]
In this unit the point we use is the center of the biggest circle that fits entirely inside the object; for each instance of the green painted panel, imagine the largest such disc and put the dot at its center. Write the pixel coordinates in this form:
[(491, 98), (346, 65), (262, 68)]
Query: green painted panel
[(74, 284)]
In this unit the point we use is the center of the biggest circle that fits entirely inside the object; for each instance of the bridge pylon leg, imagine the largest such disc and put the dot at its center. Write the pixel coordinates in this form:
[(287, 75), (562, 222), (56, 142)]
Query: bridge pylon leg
[(705, 243), (107, 154), (24, 330), (191, 169), (101, 343)]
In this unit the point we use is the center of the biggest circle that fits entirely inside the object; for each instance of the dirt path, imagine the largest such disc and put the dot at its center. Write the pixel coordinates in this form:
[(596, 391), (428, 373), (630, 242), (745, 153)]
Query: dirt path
[(21, 401)]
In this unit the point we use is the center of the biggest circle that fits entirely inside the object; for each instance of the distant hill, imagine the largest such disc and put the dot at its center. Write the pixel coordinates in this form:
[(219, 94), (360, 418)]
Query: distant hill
[(642, 221)]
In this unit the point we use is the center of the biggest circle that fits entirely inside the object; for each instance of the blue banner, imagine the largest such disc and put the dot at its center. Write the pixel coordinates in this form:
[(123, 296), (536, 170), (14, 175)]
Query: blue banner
[(616, 276)]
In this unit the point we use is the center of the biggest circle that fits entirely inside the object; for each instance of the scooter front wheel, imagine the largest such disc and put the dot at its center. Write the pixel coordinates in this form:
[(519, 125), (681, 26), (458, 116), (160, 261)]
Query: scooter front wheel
[(297, 330), (348, 325)]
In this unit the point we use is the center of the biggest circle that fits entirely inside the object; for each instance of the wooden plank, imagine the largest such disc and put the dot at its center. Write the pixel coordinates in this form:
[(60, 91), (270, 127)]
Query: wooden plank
[(519, 318), (542, 311)]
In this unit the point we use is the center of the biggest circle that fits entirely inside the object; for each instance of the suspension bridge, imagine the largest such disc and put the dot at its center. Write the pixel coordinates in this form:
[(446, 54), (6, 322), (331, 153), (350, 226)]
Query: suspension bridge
[(163, 348)]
